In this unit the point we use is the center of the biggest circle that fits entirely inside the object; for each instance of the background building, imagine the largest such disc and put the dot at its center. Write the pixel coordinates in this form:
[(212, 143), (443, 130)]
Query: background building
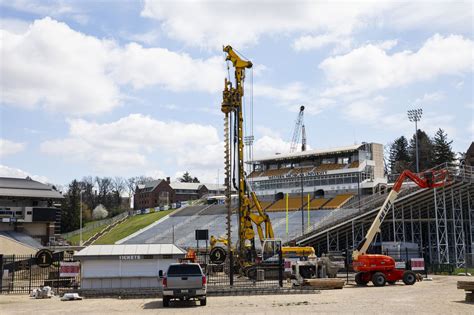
[(162, 192), (28, 207)]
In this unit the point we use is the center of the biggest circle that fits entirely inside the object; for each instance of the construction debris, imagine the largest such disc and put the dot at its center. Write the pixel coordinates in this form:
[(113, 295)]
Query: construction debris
[(467, 286), (71, 297), (42, 293), (324, 283)]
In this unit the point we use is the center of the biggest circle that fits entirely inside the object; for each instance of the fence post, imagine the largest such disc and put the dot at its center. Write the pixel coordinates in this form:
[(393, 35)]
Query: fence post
[(30, 266), (231, 268), (13, 275), (1, 273), (280, 268), (347, 265), (57, 280)]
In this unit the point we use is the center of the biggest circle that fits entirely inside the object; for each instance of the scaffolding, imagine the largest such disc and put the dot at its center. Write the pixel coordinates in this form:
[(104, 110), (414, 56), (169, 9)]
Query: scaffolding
[(440, 221)]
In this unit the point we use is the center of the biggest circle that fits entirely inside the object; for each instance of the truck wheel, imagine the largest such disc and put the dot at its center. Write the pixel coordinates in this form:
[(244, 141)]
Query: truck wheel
[(202, 302), (359, 280), (409, 277), (378, 279), (166, 301)]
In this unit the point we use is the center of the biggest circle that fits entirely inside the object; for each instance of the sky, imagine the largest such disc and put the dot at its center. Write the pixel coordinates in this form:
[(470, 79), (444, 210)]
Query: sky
[(129, 88)]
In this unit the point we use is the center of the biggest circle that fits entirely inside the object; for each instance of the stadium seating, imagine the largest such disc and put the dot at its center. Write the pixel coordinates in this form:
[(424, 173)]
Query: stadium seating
[(255, 174), (276, 172), (338, 201), (328, 167), (354, 164), (318, 203)]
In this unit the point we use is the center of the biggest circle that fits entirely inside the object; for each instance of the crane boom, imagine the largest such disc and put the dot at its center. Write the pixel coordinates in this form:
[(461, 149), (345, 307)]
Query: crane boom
[(429, 179), (299, 129)]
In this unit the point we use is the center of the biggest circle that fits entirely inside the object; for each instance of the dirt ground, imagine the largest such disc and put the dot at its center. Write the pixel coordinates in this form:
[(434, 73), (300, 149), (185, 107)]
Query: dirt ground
[(439, 296)]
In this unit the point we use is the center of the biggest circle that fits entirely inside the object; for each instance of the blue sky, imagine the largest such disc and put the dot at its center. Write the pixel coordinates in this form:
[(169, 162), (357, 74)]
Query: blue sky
[(125, 88)]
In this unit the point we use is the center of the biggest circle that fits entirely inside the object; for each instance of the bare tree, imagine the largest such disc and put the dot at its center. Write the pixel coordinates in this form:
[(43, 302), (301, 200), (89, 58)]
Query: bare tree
[(119, 185), (131, 185)]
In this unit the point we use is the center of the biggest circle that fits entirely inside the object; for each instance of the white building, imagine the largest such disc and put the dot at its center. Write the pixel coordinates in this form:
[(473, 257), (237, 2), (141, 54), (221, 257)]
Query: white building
[(125, 266)]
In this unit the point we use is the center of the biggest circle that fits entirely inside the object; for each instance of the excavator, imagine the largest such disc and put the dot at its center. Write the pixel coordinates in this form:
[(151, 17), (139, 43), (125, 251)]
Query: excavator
[(381, 269), (246, 252)]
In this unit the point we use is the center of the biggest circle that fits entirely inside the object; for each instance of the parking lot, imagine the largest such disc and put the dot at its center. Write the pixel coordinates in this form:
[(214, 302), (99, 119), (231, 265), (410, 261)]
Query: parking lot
[(439, 296)]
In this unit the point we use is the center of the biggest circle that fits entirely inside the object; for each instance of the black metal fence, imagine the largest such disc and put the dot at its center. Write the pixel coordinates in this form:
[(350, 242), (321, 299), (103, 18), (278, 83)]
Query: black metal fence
[(21, 274), (270, 273)]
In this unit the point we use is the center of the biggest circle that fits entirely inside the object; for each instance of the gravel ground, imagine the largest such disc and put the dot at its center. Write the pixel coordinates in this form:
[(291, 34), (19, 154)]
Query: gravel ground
[(439, 296)]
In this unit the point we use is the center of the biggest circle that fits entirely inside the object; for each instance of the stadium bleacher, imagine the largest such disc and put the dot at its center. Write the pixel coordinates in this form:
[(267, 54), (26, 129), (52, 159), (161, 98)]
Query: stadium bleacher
[(181, 227), (338, 201)]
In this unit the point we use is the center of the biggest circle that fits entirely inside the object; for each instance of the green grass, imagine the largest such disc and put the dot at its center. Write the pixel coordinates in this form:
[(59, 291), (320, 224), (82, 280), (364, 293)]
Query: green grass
[(130, 226), (458, 270), (74, 240)]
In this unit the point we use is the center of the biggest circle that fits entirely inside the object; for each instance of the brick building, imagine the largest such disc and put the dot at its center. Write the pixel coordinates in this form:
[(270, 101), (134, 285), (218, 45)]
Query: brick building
[(163, 192), (153, 194)]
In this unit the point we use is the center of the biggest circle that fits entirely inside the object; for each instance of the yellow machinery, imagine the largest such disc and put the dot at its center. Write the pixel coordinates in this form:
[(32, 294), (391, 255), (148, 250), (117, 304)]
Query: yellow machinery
[(234, 150)]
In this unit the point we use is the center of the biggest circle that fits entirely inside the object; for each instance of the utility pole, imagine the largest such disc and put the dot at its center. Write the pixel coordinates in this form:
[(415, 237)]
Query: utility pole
[(414, 115)]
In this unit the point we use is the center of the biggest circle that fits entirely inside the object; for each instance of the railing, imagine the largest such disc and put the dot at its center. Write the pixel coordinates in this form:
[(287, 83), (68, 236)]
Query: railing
[(92, 225)]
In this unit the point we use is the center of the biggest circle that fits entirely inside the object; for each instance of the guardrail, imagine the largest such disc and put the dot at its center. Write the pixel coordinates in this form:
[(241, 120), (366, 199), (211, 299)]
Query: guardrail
[(95, 224)]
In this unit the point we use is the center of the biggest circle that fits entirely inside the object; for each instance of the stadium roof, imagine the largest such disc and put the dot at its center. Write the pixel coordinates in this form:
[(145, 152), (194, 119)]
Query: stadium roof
[(130, 249), (26, 187), (308, 153)]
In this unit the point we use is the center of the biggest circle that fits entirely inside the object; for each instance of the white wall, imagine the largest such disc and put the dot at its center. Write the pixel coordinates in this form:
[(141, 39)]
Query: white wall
[(114, 273)]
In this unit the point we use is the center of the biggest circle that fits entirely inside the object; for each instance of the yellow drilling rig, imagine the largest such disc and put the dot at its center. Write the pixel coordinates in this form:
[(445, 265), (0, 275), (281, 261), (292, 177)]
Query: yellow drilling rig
[(246, 253)]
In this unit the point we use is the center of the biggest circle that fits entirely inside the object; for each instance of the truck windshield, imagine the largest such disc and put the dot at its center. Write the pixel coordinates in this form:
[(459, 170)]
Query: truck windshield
[(190, 270)]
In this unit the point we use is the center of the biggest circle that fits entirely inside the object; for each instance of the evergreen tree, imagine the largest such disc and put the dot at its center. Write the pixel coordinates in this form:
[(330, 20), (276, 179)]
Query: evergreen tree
[(399, 159), (425, 151), (186, 178), (442, 152), (71, 208)]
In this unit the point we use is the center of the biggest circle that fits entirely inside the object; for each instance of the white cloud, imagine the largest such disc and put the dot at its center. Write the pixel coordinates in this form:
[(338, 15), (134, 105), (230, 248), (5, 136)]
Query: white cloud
[(132, 141), (211, 24), (142, 67), (308, 42), (62, 70), (376, 113), (270, 145), (428, 98), (6, 171), (240, 23), (369, 68), (8, 147)]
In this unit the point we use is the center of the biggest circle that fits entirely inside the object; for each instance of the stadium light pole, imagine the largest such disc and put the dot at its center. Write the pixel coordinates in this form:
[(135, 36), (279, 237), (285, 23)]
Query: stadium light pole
[(80, 217), (414, 115)]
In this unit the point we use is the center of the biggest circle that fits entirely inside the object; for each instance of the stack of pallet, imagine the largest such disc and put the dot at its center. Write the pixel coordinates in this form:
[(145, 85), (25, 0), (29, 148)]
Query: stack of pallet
[(467, 286)]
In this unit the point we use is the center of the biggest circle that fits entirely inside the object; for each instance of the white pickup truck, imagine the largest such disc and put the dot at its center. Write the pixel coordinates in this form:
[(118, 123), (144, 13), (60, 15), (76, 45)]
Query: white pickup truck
[(184, 281)]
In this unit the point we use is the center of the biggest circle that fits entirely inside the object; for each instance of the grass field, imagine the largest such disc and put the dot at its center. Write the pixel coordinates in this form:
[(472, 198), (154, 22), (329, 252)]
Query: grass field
[(130, 226), (74, 240)]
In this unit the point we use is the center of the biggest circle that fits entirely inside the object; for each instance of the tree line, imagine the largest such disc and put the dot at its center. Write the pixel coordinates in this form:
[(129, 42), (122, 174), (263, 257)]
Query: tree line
[(431, 152), (106, 191)]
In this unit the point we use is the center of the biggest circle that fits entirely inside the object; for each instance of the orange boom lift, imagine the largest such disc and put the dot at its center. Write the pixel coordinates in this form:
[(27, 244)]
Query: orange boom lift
[(381, 268)]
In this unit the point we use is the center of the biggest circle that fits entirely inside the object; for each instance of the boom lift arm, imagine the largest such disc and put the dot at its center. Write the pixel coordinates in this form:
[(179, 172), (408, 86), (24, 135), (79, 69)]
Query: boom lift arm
[(429, 179)]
